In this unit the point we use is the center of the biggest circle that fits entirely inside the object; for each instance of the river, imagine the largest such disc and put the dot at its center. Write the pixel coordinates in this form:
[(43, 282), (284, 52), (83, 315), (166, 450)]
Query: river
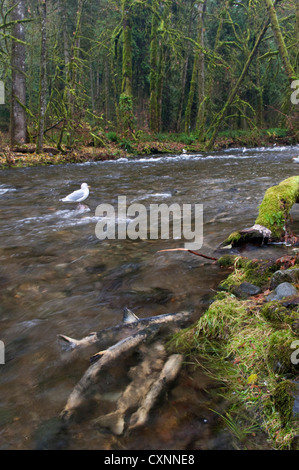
[(57, 277)]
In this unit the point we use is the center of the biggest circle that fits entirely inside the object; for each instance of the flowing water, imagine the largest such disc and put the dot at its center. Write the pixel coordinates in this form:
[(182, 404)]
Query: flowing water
[(57, 277)]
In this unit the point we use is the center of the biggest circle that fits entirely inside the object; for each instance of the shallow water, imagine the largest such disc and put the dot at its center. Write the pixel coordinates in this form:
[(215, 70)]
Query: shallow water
[(56, 277)]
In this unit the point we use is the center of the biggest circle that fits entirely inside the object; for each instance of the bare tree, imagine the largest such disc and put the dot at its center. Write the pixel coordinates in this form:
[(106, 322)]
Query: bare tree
[(18, 128)]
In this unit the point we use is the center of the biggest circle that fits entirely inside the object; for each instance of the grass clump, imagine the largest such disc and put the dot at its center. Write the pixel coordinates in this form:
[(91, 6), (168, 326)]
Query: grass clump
[(255, 272)]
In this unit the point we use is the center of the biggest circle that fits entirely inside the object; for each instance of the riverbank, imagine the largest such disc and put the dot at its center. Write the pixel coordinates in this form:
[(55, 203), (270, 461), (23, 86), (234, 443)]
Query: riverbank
[(248, 341), (112, 147)]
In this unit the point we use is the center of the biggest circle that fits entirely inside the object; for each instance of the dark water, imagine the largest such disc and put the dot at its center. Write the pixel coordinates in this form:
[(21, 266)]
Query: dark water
[(56, 277)]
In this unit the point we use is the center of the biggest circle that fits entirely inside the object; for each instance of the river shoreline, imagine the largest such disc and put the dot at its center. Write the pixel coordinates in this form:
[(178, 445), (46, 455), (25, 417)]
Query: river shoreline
[(25, 156), (245, 340)]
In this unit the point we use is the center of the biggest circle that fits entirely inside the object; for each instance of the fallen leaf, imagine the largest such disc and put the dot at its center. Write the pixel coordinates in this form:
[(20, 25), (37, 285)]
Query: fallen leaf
[(252, 379)]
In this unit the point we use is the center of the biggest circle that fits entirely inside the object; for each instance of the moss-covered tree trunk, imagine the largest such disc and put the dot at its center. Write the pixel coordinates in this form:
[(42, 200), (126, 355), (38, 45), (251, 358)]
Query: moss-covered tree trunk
[(280, 40), (43, 77), (297, 36), (259, 89), (219, 119), (201, 73), (273, 216), (211, 75), (126, 97), (184, 76), (154, 119), (197, 78)]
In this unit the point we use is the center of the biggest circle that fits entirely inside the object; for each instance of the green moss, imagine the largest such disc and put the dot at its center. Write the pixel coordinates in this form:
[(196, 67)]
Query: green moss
[(278, 314), (273, 212), (279, 351), (227, 261), (283, 397), (276, 205), (232, 239), (220, 317), (257, 273)]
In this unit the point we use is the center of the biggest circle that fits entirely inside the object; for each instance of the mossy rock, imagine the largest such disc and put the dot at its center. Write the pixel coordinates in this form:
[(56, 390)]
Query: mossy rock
[(287, 275), (284, 398), (280, 350), (276, 205), (272, 217), (277, 313)]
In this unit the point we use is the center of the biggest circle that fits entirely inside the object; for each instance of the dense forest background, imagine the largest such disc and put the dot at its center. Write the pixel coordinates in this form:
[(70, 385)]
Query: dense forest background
[(82, 71)]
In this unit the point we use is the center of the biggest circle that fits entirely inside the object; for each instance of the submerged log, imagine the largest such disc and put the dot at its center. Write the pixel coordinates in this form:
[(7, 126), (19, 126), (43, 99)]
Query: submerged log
[(274, 212)]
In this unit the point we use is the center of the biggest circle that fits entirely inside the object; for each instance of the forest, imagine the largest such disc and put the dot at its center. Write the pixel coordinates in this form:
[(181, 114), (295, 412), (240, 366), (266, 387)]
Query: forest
[(86, 73)]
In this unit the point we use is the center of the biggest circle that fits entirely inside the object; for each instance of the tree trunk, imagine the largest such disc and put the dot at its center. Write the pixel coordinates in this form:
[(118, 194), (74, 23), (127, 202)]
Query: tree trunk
[(211, 73), (280, 41), (18, 127), (43, 78), (66, 52), (197, 72), (216, 125), (126, 98), (297, 35), (259, 89), (154, 119), (127, 50), (184, 77), (201, 73)]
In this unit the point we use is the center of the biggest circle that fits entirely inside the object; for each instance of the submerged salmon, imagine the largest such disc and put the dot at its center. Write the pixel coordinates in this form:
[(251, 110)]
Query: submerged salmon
[(81, 391), (130, 325), (142, 376)]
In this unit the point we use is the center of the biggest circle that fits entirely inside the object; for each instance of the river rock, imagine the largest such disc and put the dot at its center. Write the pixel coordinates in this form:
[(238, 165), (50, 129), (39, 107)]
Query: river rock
[(245, 290), (288, 275), (281, 291)]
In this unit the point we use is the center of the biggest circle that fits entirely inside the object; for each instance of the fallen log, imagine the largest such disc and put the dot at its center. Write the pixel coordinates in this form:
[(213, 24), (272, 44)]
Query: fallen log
[(32, 149), (273, 216)]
